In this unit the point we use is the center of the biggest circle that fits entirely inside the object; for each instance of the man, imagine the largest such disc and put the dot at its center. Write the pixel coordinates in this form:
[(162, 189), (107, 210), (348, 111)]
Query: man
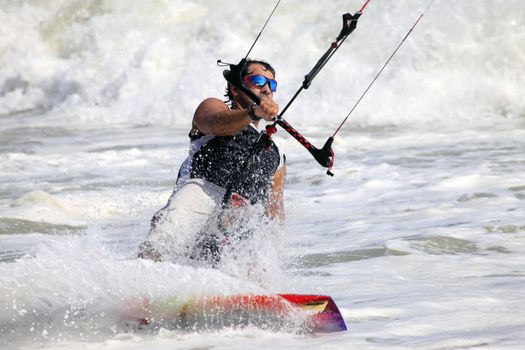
[(222, 135)]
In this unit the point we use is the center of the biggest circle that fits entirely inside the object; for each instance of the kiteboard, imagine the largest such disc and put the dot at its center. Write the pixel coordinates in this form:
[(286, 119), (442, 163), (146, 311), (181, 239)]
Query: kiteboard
[(278, 312)]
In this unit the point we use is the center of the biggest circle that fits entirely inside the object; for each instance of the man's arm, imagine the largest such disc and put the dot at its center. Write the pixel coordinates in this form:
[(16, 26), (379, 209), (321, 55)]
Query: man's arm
[(214, 117), (275, 207)]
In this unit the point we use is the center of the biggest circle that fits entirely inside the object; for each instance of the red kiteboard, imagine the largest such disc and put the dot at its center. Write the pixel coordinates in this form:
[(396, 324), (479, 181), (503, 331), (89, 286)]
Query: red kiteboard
[(292, 312)]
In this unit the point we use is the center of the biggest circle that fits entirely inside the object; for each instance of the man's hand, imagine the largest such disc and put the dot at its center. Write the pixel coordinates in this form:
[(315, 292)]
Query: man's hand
[(267, 109)]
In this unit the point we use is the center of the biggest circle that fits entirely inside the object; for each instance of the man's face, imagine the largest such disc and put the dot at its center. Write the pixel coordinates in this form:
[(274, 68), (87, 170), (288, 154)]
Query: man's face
[(254, 69), (259, 69)]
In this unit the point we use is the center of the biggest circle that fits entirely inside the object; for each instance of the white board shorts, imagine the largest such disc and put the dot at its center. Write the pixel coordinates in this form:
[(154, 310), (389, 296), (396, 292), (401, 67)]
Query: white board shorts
[(175, 227)]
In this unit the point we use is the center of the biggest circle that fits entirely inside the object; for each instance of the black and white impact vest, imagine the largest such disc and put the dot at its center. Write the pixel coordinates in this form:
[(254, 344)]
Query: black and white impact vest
[(218, 158)]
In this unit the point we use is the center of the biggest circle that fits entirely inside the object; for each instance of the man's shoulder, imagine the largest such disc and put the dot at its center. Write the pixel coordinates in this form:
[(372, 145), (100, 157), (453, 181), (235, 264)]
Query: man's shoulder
[(206, 113), (213, 102), (210, 107)]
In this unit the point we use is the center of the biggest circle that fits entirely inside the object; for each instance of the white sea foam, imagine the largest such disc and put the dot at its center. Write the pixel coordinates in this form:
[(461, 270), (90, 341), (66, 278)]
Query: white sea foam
[(152, 63)]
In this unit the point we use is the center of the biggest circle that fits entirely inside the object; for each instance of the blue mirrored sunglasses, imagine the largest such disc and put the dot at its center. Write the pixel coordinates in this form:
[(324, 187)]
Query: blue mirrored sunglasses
[(260, 81)]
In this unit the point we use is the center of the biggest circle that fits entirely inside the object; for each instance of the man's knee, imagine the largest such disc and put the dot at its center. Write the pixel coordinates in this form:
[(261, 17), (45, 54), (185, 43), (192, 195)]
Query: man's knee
[(146, 251)]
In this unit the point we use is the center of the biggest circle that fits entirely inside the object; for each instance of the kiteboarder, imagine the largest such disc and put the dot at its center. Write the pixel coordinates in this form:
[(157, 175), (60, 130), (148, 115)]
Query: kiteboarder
[(221, 137)]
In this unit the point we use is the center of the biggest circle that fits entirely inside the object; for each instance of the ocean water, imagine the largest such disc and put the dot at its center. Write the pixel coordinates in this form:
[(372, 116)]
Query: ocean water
[(419, 237)]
